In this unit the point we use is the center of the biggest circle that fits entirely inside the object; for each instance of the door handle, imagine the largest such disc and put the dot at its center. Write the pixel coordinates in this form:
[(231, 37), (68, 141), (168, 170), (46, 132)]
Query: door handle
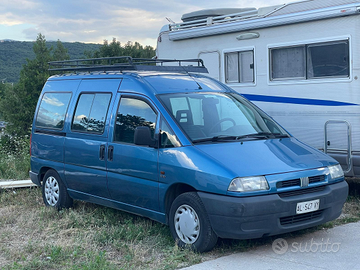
[(111, 153), (102, 152)]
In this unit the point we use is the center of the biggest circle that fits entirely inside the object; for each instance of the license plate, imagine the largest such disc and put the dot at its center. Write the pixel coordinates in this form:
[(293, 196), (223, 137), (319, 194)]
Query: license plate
[(306, 207)]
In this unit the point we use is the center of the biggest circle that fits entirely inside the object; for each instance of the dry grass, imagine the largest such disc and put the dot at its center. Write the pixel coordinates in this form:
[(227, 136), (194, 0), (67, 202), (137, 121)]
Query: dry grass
[(88, 236)]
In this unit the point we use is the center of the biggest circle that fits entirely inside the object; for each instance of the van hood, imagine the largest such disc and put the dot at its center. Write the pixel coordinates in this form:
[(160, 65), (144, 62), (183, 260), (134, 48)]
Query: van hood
[(264, 157)]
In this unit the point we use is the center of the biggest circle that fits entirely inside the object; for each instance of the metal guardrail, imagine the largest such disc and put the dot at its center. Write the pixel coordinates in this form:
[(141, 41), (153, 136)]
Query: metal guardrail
[(16, 184)]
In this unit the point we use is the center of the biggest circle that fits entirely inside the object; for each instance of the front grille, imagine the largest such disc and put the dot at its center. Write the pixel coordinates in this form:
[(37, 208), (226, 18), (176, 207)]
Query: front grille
[(301, 191), (297, 182), (288, 183), (316, 179), (300, 218)]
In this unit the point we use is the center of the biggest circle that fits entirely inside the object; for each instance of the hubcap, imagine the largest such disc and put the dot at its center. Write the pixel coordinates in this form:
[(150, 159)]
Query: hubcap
[(51, 190), (187, 224)]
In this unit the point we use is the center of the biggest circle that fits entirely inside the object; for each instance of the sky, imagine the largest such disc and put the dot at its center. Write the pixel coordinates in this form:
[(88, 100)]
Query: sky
[(93, 21)]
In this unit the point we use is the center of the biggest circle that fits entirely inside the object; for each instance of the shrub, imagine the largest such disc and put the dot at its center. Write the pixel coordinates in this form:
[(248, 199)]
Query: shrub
[(14, 157)]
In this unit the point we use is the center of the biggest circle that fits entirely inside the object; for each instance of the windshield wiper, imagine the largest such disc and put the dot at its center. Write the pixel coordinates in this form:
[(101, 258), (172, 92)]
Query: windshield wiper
[(260, 135), (280, 135), (263, 135), (254, 136), (216, 139)]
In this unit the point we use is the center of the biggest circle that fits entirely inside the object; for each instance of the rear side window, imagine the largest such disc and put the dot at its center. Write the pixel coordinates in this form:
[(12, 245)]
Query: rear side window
[(52, 110), (91, 112)]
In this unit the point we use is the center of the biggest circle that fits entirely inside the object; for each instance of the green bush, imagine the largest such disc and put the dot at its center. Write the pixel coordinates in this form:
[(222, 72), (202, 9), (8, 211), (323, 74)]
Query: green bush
[(14, 157)]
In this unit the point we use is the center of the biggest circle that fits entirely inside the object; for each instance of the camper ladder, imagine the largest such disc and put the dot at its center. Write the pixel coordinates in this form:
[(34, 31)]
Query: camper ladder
[(349, 147)]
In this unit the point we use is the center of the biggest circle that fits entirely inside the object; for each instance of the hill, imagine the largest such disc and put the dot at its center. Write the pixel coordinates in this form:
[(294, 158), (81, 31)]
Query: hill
[(13, 55)]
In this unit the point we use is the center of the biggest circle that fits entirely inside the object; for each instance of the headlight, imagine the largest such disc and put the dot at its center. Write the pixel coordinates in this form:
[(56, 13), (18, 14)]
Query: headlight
[(336, 172), (246, 184)]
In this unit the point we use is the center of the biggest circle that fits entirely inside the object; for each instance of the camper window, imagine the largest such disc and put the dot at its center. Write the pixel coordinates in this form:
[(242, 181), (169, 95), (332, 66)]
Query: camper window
[(330, 59), (288, 63), (239, 67)]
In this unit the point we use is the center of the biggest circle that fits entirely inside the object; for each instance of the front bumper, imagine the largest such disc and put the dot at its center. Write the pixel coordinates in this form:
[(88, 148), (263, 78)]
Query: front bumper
[(258, 216)]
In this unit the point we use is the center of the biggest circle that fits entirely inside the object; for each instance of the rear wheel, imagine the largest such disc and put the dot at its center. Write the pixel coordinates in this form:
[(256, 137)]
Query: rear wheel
[(54, 191), (190, 224)]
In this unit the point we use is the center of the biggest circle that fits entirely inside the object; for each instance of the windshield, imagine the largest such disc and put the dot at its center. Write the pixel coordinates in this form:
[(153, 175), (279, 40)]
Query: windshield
[(219, 117)]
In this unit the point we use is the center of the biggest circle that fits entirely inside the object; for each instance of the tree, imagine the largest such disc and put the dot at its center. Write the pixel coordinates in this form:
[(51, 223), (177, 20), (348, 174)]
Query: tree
[(135, 50), (18, 103), (2, 93), (60, 52), (2, 89)]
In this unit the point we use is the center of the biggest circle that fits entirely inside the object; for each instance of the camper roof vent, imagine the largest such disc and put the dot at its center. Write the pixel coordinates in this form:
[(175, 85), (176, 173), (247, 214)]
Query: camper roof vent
[(205, 13), (208, 17)]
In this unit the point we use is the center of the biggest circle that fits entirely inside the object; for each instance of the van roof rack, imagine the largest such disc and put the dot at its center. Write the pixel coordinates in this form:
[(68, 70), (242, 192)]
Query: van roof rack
[(127, 63)]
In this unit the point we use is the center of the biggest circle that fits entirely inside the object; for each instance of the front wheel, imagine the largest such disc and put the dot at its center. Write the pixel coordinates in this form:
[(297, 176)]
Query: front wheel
[(190, 224), (54, 191)]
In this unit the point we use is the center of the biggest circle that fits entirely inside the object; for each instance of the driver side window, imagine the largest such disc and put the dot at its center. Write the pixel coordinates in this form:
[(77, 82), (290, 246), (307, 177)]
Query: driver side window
[(131, 114)]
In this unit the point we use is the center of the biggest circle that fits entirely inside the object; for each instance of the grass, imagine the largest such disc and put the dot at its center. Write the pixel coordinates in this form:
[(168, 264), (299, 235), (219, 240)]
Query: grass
[(14, 158), (88, 236), (85, 237)]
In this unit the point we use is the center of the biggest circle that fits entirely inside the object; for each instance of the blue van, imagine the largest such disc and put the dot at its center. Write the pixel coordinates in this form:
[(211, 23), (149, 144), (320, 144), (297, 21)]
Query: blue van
[(177, 147)]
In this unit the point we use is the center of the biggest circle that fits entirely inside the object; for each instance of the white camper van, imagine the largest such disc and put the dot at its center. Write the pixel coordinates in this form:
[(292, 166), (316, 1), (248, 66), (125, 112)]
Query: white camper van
[(300, 62)]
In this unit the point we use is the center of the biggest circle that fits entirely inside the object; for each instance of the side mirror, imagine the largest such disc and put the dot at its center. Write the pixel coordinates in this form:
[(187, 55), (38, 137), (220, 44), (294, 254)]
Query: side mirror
[(142, 136)]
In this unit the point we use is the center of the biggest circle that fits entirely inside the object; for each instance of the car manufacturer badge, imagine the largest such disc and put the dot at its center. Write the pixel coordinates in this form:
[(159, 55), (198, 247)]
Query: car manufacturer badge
[(304, 181)]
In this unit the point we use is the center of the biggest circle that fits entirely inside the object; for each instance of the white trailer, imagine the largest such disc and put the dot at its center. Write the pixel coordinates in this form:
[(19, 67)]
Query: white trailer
[(300, 62)]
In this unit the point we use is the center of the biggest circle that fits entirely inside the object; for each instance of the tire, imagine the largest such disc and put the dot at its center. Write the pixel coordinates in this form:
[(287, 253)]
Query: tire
[(189, 223), (54, 191)]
